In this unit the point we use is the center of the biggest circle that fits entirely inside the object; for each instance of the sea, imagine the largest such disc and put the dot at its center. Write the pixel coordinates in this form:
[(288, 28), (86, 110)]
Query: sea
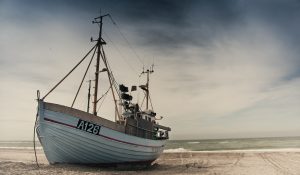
[(199, 144), (269, 143)]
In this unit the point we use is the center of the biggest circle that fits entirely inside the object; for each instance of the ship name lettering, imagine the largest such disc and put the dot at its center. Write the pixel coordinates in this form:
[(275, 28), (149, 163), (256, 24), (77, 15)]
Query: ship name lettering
[(88, 127)]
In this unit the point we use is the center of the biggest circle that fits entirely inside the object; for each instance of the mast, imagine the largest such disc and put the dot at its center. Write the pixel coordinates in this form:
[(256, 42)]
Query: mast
[(100, 42), (148, 72), (89, 97), (147, 92)]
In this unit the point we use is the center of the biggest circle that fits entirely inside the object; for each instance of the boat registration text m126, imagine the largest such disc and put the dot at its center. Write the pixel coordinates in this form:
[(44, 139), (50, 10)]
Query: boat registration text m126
[(88, 127)]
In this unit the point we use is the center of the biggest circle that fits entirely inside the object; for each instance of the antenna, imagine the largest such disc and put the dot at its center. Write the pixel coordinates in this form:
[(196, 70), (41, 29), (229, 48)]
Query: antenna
[(152, 68), (146, 87)]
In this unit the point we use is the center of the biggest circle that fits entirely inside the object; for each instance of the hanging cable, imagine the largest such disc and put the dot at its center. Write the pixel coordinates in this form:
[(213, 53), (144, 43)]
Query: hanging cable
[(111, 75), (119, 51), (151, 102), (83, 77), (69, 73), (103, 96), (123, 36), (143, 99), (115, 83)]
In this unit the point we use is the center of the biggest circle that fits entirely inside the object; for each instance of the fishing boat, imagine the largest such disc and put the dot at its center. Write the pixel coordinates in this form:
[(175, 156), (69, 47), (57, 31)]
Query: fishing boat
[(74, 136)]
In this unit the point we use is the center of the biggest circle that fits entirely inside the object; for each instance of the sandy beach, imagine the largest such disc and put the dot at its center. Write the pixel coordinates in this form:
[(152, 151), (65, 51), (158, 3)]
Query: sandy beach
[(22, 161)]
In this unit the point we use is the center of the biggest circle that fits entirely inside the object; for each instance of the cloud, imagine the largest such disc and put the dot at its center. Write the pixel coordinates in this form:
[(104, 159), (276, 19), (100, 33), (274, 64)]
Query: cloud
[(234, 79), (220, 67), (177, 24)]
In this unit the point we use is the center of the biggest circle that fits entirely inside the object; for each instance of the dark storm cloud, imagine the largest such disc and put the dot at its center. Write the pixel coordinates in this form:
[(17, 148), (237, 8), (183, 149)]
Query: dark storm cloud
[(156, 12), (282, 17), (175, 23), (172, 24), (161, 23)]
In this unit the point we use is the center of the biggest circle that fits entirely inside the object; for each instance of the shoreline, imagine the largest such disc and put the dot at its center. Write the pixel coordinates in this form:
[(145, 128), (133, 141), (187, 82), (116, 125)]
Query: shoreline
[(247, 162), (233, 150), (182, 150)]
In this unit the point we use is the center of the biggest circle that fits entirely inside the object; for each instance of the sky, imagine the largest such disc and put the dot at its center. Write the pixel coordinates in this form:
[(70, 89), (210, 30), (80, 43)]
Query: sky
[(222, 69)]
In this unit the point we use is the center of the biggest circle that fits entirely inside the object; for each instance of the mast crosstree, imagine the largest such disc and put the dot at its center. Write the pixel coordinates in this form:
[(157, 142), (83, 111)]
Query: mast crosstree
[(100, 43), (100, 53)]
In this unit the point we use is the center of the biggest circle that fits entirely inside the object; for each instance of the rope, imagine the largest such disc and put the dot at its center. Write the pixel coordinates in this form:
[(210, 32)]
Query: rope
[(111, 75), (115, 83), (34, 146), (68, 73), (143, 99), (151, 102), (103, 94), (83, 78), (36, 116)]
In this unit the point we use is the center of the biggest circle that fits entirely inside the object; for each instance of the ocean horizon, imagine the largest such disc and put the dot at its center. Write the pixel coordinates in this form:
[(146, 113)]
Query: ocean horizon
[(231, 144)]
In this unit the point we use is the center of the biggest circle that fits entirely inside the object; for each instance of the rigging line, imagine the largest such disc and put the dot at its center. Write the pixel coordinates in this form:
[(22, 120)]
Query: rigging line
[(110, 82), (126, 40), (138, 92), (69, 73), (115, 83), (103, 94), (83, 77), (110, 74), (119, 51), (143, 99), (150, 102)]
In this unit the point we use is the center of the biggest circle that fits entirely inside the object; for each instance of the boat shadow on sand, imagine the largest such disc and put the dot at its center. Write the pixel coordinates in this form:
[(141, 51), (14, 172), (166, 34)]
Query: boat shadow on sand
[(156, 168), (108, 167)]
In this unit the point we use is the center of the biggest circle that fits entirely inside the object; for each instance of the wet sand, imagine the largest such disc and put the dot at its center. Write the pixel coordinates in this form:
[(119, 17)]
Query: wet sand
[(286, 162)]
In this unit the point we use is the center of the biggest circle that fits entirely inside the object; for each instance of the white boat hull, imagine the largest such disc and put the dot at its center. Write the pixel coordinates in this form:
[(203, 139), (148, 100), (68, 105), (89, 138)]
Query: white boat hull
[(63, 142)]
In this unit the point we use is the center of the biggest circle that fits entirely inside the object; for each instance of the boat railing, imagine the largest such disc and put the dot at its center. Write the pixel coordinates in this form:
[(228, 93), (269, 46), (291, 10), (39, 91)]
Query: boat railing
[(154, 134)]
